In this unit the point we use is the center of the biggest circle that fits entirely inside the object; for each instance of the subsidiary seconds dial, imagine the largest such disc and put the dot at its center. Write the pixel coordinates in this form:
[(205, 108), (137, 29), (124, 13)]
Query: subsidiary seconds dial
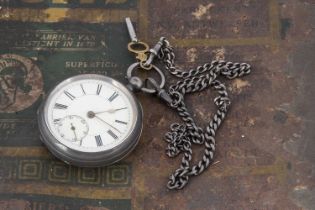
[(72, 128)]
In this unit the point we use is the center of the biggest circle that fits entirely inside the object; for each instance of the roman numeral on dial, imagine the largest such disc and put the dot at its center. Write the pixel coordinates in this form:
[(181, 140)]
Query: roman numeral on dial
[(99, 88), (60, 106), (113, 96), (82, 89), (121, 122), (69, 95), (98, 140), (57, 120), (112, 134)]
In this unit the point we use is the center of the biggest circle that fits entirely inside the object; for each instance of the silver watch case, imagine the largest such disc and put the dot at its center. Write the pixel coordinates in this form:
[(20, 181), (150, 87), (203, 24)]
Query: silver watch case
[(90, 159)]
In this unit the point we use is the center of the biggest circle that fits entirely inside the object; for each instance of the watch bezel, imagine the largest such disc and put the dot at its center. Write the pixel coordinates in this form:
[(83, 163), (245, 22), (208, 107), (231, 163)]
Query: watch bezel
[(84, 158)]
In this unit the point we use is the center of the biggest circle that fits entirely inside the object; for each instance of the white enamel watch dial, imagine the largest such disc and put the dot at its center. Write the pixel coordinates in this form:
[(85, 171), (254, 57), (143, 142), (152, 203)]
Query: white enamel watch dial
[(90, 120), (90, 115)]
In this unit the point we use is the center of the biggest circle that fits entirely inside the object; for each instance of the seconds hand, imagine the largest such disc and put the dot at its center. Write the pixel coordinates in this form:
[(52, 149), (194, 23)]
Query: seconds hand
[(75, 135)]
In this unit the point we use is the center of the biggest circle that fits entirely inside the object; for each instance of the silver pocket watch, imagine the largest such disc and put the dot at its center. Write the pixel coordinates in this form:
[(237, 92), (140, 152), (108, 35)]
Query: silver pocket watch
[(92, 120)]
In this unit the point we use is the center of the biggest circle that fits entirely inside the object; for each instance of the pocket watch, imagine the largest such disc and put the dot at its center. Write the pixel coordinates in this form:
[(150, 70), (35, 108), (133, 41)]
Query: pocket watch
[(90, 120), (94, 120)]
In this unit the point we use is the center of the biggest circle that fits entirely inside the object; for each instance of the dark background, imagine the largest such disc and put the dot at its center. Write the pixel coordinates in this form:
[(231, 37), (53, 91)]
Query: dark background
[(265, 156)]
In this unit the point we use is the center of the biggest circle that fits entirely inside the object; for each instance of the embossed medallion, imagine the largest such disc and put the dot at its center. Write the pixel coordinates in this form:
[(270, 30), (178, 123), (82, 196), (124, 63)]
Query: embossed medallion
[(21, 83)]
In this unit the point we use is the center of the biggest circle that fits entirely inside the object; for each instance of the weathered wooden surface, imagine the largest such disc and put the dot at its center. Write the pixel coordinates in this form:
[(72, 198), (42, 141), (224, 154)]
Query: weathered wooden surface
[(265, 152)]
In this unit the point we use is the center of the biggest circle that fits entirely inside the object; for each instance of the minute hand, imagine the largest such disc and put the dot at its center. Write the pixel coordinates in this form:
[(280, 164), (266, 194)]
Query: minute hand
[(100, 119), (110, 110)]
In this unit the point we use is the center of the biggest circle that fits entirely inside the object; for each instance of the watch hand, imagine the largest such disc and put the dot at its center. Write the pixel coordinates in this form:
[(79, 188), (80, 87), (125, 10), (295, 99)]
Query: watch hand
[(75, 134), (110, 110), (107, 123)]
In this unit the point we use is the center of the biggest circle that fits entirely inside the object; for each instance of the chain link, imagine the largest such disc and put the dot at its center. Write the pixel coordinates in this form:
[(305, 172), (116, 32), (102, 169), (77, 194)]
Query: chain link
[(182, 136)]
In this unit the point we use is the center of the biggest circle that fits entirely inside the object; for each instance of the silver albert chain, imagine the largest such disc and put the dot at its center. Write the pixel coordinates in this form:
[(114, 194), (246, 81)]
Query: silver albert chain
[(182, 135)]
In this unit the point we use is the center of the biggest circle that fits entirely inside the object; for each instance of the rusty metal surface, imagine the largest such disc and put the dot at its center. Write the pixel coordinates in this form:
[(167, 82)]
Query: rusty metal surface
[(265, 149)]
